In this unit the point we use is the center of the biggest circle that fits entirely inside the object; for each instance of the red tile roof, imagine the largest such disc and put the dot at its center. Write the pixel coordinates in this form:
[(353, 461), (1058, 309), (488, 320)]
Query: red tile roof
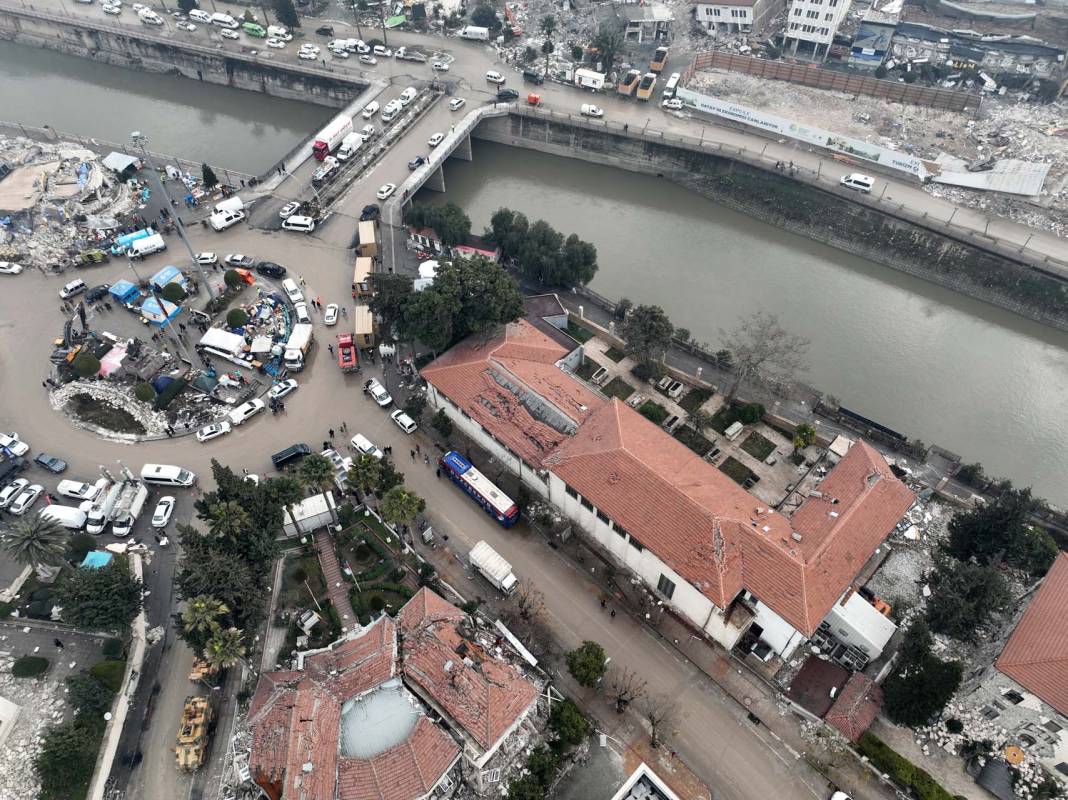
[(295, 719), (486, 697), (1036, 656), (856, 707), (485, 376), (721, 538)]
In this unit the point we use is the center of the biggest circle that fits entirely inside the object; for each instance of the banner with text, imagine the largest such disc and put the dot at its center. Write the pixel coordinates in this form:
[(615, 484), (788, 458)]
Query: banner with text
[(780, 126)]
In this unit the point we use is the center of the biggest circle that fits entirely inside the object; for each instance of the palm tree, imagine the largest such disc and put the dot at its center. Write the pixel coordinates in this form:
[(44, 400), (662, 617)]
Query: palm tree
[(201, 614), (228, 520), (400, 506), (365, 474), (358, 7), (316, 472), (35, 541), (547, 47), (548, 25), (609, 41), (225, 648)]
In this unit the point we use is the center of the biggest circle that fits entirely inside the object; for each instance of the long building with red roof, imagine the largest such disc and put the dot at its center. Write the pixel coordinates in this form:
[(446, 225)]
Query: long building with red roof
[(717, 554)]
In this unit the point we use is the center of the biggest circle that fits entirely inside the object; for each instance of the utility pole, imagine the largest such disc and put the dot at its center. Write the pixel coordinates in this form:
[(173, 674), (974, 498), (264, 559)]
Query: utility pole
[(141, 141)]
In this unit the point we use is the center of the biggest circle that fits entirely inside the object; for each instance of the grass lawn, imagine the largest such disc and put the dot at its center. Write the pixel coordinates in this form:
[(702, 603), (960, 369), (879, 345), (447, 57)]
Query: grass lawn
[(617, 387), (694, 399), (736, 470), (758, 446), (587, 368), (577, 332), (724, 418), (615, 354), (692, 439), (653, 411)]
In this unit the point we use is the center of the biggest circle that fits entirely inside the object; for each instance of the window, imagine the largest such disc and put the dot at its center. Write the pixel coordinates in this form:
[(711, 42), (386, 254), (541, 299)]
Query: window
[(603, 517), (665, 586), (989, 713), (1062, 768), (620, 529), (586, 504), (1013, 697), (570, 492), (1052, 727), (636, 544), (1027, 740), (828, 17)]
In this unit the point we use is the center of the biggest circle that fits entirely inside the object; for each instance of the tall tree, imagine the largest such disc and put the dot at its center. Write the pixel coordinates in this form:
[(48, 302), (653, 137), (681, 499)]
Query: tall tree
[(608, 42), (660, 712), (90, 697), (209, 570), (200, 620), (391, 292), (448, 220), (365, 474), (547, 48), (547, 25), (317, 473), (66, 760), (35, 541), (401, 506), (187, 5), (229, 520), (286, 13), (998, 530), (208, 176), (647, 332), (764, 352), (579, 261), (359, 7), (225, 648), (485, 16), (586, 663), (428, 318), (966, 594), (104, 599), (921, 683), (624, 687)]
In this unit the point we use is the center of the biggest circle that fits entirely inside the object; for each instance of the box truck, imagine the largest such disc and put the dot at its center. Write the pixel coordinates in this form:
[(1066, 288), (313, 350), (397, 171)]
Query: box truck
[(493, 567), (329, 138), (300, 342), (588, 79), (475, 33)]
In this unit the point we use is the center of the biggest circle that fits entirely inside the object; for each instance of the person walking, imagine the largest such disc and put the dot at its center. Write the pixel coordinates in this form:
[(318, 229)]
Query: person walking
[(412, 454), (331, 432), (344, 427), (330, 347)]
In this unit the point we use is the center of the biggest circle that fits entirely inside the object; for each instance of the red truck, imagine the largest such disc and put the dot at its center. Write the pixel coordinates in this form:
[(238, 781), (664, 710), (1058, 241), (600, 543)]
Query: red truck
[(347, 357)]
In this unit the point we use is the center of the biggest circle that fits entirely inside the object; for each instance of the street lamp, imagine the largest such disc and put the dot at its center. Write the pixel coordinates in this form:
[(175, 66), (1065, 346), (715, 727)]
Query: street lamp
[(141, 141)]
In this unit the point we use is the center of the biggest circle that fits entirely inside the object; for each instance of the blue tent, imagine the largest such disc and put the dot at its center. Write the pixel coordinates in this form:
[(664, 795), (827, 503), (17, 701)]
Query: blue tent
[(157, 316), (169, 274), (124, 291)]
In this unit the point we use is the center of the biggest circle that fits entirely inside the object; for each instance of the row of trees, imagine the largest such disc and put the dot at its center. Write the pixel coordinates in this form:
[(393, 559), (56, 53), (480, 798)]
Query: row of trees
[(448, 220), (541, 252)]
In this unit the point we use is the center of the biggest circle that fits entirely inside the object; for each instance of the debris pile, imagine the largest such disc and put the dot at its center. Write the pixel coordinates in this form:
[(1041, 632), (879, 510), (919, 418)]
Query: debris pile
[(42, 704)]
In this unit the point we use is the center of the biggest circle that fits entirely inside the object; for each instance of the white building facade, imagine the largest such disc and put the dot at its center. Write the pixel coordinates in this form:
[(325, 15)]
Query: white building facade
[(725, 17), (815, 22)]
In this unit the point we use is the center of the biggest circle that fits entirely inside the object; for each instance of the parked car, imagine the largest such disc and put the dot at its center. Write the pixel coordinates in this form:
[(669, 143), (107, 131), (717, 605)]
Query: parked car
[(78, 490), (289, 209), (457, 103), (162, 515), (71, 289), (370, 211), (370, 109), (10, 268), (239, 261), (50, 463), (292, 290), (383, 51), (226, 33), (330, 314), (307, 55), (270, 269), (324, 30), (507, 95), (386, 190), (495, 77), (207, 259), (404, 422), (439, 66), (26, 498), (213, 431), (378, 392), (533, 76), (672, 104), (276, 43), (436, 139), (282, 388), (416, 162), (97, 293), (300, 311), (185, 26), (12, 443), (366, 446), (368, 60), (292, 454), (367, 131), (299, 223), (246, 411), (11, 491)]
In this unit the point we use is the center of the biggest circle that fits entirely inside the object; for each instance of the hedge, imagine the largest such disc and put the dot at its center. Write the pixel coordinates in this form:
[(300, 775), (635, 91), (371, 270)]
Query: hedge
[(164, 398), (901, 770), (29, 667), (110, 673)]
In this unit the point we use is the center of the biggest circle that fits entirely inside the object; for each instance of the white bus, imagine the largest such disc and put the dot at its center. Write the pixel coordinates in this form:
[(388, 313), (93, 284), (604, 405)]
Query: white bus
[(672, 85)]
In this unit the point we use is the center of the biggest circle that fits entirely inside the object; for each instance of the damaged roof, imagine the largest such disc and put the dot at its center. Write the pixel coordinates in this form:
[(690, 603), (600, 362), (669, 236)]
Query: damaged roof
[(856, 707)]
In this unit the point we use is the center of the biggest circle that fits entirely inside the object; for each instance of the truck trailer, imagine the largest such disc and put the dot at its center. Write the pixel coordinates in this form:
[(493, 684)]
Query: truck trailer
[(588, 79), (329, 138), (300, 341), (475, 33), (493, 567)]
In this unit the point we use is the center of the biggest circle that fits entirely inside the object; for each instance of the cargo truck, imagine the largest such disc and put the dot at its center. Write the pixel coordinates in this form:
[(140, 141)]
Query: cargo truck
[(128, 508), (347, 358), (404, 54), (475, 33), (329, 138), (493, 567), (349, 146), (647, 85), (588, 79), (368, 241), (193, 734), (659, 61), (99, 514), (300, 342), (628, 83)]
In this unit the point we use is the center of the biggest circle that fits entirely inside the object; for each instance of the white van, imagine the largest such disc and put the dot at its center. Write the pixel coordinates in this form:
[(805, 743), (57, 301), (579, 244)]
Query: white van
[(299, 224), (147, 246), (221, 220), (407, 96), (390, 112), (67, 516), (167, 475), (200, 16), (293, 292), (370, 109), (231, 203), (861, 183), (279, 32), (72, 288), (495, 77), (349, 145), (224, 21)]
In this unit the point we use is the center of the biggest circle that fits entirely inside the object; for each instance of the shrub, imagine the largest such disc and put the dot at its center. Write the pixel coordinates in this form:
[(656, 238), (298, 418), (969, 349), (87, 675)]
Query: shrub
[(568, 724), (954, 726), (113, 648), (880, 72), (377, 603), (911, 77), (363, 552), (30, 667), (79, 545), (398, 574), (174, 293), (232, 279), (236, 317), (6, 609), (144, 392), (86, 365), (109, 673), (470, 607), (346, 515), (586, 663), (654, 412), (902, 771), (441, 423), (647, 370), (751, 413), (174, 388)]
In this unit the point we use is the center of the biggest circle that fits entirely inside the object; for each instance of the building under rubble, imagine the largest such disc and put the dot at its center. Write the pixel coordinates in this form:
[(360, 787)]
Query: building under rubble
[(991, 53)]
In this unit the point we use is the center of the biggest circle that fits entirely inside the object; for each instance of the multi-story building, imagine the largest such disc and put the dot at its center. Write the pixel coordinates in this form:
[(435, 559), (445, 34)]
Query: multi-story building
[(814, 23), (724, 17), (715, 554)]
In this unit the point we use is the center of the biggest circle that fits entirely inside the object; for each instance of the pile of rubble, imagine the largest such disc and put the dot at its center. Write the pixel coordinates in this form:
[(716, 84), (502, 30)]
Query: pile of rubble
[(116, 396), (57, 201), (1005, 129), (42, 705)]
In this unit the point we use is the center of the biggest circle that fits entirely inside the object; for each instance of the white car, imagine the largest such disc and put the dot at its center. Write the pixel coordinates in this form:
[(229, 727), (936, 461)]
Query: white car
[(591, 111), (239, 261), (185, 26), (293, 292), (366, 446), (386, 190), (282, 388), (221, 220), (404, 422), (436, 139), (378, 392), (301, 312), (162, 515), (495, 78), (11, 491), (368, 60), (26, 498), (299, 223), (10, 268), (246, 411), (226, 33), (275, 42), (367, 131), (330, 315), (150, 18), (213, 431), (672, 104), (439, 66), (338, 52), (113, 10), (12, 443), (370, 109), (207, 259), (78, 490), (382, 50), (289, 209), (457, 103), (307, 55)]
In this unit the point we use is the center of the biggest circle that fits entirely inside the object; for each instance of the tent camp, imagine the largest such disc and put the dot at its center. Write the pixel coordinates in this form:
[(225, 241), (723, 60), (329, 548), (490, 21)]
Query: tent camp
[(125, 165), (125, 292), (167, 275), (156, 315)]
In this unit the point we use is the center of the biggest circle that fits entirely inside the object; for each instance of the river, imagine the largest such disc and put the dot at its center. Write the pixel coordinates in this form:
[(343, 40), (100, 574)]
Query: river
[(241, 130), (933, 364)]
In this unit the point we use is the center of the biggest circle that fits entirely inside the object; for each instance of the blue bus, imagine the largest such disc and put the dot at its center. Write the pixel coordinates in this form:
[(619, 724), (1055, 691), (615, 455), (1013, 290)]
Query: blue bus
[(495, 502)]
